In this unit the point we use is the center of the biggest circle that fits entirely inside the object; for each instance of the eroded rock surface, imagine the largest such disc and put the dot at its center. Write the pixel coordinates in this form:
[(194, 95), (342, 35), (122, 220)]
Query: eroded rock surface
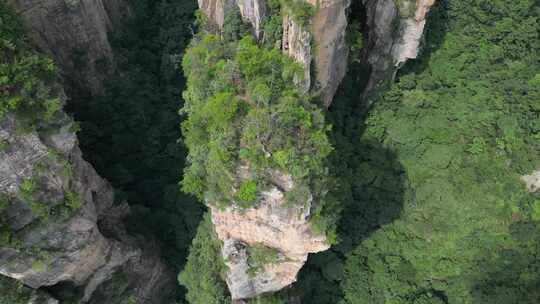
[(54, 202), (75, 34), (274, 225), (296, 43), (532, 181), (394, 36), (326, 30), (329, 25)]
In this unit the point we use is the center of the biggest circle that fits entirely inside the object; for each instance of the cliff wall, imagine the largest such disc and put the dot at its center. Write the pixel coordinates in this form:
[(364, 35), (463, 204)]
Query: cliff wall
[(55, 201), (394, 30), (60, 229), (75, 34), (277, 229)]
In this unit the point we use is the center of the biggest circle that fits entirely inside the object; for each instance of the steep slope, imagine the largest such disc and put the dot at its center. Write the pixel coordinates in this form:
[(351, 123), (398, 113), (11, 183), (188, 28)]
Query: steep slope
[(75, 34), (55, 209), (394, 33), (258, 150), (313, 34)]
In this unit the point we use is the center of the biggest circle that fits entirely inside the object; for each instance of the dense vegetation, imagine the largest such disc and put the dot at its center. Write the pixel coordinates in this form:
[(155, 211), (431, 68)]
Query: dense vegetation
[(13, 292), (130, 133), (28, 81), (434, 211), (204, 270), (437, 212), (464, 122), (246, 121)]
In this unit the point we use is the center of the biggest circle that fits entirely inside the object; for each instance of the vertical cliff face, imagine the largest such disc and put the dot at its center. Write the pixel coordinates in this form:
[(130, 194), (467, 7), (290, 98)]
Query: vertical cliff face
[(394, 30), (53, 202), (75, 34), (329, 26), (317, 44), (296, 43), (273, 228), (254, 11), (59, 225)]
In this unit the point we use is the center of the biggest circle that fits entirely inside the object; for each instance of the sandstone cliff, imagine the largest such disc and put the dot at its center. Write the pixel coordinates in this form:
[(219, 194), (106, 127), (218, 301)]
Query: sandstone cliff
[(394, 31), (75, 34), (329, 26), (56, 208), (296, 43), (282, 232), (319, 43), (59, 227), (314, 35)]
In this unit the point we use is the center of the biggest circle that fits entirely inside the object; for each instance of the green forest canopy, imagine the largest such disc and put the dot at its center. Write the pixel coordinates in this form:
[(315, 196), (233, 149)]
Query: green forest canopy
[(439, 214)]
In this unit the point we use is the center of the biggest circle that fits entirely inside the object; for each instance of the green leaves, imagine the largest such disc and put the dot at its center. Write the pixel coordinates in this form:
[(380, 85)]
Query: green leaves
[(478, 146), (260, 256), (251, 115), (27, 81), (462, 122), (204, 267), (248, 192)]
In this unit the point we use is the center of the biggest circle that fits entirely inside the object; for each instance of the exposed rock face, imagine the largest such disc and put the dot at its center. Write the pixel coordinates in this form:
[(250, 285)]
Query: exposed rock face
[(329, 51), (408, 46), (253, 11), (395, 34), (215, 9), (296, 43), (326, 30), (329, 27), (57, 243), (74, 33), (274, 225), (532, 181)]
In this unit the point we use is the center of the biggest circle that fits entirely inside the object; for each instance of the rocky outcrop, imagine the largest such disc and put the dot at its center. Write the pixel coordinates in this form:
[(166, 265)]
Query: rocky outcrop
[(329, 26), (411, 32), (273, 224), (75, 34), (53, 201), (253, 11), (532, 181), (215, 10), (395, 31), (320, 41), (296, 43), (319, 47)]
